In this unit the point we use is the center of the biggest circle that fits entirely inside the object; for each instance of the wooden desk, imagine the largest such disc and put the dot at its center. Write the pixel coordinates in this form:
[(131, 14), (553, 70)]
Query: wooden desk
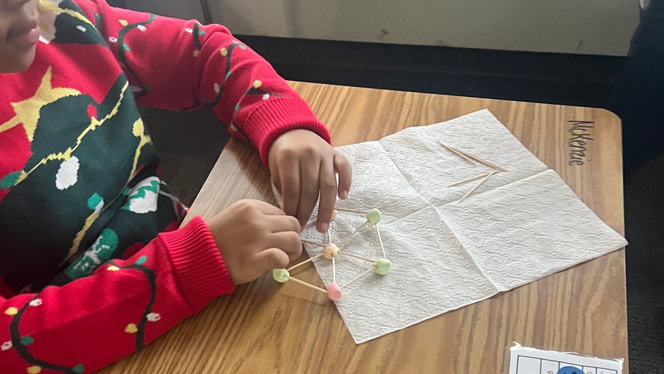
[(266, 327)]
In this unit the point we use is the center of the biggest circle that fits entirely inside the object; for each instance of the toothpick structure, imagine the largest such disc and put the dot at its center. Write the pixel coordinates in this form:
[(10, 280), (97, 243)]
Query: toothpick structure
[(332, 252), (472, 158)]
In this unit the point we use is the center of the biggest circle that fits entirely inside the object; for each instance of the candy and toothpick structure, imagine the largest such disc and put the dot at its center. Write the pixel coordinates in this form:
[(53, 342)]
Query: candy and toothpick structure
[(473, 160), (332, 252), (381, 266)]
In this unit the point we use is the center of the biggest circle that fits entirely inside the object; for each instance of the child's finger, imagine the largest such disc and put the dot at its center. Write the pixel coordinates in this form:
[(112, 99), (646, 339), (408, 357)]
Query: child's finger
[(289, 242), (290, 184), (308, 189), (342, 166), (328, 194), (271, 258), (283, 224)]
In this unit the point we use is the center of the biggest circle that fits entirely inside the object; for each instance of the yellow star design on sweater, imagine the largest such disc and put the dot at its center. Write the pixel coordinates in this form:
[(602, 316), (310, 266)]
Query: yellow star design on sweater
[(28, 110)]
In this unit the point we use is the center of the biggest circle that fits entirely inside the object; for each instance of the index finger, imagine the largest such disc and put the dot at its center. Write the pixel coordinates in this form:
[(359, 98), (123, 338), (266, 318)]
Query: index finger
[(328, 194), (342, 166)]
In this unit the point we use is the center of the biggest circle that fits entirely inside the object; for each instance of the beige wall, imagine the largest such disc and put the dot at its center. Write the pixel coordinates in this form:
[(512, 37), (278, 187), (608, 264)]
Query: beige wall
[(564, 26), (186, 9)]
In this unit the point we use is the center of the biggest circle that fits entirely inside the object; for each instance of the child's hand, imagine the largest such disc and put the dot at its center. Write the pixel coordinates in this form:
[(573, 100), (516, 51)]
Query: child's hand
[(302, 164), (254, 237)]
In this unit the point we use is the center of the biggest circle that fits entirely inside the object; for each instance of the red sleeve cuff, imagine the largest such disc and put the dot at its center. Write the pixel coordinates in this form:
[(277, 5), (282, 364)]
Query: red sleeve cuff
[(278, 116), (199, 268)]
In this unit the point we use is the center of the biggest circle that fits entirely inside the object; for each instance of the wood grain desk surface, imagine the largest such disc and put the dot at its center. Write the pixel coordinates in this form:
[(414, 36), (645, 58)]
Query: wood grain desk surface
[(266, 327)]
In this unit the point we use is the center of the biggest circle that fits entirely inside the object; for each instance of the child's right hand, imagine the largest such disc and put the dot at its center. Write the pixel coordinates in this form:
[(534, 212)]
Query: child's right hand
[(254, 237)]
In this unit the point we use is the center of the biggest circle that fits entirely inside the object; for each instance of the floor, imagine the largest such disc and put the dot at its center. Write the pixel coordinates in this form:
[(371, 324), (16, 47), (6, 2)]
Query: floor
[(549, 78)]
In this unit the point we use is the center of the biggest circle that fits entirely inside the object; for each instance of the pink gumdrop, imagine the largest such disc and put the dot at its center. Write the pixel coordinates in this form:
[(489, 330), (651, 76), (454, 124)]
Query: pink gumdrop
[(333, 291)]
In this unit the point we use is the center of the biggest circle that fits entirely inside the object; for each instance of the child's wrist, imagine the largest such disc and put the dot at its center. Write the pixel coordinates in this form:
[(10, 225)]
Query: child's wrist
[(199, 267)]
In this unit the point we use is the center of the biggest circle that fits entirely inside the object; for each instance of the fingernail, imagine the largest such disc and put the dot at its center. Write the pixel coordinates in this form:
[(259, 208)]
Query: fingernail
[(344, 195), (323, 227)]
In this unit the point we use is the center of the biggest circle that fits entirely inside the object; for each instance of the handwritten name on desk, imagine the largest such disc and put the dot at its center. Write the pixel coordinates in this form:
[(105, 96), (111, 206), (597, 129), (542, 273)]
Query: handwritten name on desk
[(580, 137)]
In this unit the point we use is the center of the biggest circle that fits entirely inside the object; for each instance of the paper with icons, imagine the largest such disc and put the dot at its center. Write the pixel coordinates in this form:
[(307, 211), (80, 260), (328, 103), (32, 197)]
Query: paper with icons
[(526, 360)]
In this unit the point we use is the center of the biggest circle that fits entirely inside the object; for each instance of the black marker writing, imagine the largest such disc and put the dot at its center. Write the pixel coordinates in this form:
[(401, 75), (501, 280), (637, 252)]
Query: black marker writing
[(580, 137)]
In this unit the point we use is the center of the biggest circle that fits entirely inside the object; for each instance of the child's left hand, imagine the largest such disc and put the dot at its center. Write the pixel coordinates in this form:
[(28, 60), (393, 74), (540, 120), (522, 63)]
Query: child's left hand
[(303, 165)]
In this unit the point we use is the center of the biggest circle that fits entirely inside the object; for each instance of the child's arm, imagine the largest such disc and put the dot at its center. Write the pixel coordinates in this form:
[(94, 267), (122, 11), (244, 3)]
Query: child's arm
[(122, 306), (180, 65), (126, 304)]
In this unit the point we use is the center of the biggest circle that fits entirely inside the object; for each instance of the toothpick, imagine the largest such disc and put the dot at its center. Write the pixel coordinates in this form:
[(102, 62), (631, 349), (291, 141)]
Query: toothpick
[(304, 262), (481, 161), (313, 243), (380, 240), (334, 271), (457, 152), (356, 256), (358, 277), (350, 210), (329, 238), (307, 284), (476, 186), (469, 180), (343, 240)]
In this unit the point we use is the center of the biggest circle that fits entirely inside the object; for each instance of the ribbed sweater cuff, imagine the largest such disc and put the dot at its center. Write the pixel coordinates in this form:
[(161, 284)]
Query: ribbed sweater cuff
[(278, 116), (199, 267)]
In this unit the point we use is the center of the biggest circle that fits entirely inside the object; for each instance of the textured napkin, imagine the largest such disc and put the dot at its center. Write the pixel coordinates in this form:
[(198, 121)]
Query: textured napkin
[(517, 227)]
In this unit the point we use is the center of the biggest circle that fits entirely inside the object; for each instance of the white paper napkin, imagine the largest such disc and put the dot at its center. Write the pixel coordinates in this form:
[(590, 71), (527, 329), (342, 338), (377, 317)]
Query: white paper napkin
[(519, 226)]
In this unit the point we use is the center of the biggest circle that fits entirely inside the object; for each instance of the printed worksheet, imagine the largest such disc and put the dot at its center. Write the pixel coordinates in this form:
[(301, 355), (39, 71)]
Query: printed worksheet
[(526, 360)]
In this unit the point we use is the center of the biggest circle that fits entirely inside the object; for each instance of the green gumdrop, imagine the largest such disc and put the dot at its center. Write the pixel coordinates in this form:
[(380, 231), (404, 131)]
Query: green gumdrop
[(280, 275), (374, 216), (382, 266)]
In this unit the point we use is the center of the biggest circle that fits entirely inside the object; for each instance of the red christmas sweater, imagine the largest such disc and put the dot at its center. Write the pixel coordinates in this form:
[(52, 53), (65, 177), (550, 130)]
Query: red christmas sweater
[(92, 265)]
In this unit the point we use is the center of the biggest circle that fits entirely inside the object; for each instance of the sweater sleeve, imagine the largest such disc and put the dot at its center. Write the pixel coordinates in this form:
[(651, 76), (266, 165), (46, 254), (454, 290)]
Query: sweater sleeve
[(182, 65), (125, 304)]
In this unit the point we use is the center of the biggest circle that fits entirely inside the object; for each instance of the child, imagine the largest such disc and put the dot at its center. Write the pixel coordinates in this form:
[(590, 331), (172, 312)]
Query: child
[(92, 263)]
